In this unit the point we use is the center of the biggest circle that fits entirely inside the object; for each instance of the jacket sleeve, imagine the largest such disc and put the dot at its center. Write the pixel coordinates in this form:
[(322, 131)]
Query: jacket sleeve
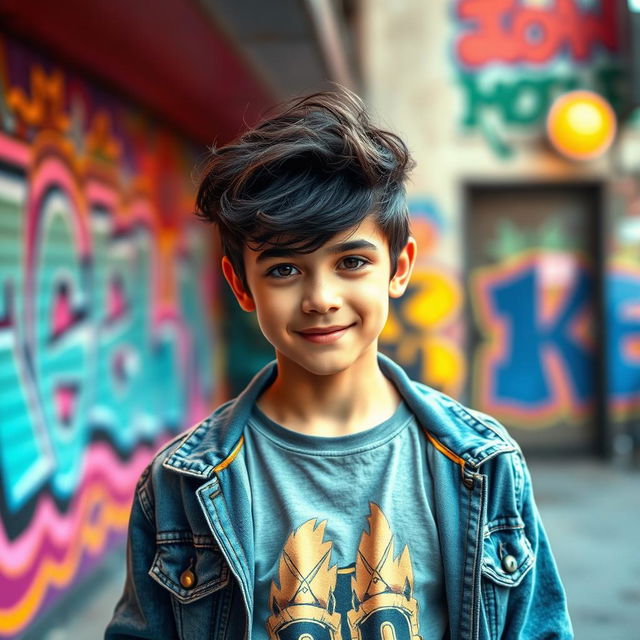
[(144, 609), (537, 608)]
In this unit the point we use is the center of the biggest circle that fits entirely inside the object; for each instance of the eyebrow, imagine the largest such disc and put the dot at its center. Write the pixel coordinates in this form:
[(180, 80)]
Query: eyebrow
[(342, 247)]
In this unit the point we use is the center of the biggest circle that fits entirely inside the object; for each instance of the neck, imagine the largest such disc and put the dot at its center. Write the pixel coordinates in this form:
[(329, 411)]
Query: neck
[(335, 404)]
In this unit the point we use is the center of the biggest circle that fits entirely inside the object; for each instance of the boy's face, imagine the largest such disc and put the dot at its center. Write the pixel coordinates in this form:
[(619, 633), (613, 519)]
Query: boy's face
[(324, 310)]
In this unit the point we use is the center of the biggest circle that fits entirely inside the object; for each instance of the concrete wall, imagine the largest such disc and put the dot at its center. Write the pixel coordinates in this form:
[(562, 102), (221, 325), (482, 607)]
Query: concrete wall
[(468, 84)]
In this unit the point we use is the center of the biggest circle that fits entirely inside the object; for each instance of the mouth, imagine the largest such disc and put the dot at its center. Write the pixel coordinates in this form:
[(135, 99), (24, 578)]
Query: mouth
[(323, 330), (324, 334)]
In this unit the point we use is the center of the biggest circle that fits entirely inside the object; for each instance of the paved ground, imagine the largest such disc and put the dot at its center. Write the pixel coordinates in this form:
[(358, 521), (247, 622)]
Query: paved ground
[(592, 515)]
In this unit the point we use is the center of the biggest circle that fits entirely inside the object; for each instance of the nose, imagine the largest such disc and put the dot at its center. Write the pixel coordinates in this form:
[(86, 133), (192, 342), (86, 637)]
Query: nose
[(321, 296)]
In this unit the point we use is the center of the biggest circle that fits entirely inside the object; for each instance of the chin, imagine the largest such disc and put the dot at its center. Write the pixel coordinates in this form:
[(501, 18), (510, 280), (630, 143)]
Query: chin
[(325, 366), (326, 371)]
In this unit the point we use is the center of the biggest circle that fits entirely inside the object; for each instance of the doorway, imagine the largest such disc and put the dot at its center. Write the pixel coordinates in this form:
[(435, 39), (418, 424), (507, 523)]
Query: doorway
[(534, 274)]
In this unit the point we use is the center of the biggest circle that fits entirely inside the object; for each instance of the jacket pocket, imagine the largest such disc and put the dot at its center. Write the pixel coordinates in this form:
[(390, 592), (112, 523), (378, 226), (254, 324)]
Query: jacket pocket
[(195, 573), (507, 556), (177, 554), (506, 560)]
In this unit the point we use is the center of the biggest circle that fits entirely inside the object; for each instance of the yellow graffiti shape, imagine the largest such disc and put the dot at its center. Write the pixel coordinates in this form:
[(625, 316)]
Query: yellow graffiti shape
[(444, 366), (100, 141), (45, 109), (307, 582), (436, 299), (382, 581), (392, 331)]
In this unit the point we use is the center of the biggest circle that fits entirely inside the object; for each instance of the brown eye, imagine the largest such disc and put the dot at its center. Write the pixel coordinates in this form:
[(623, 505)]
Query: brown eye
[(352, 263), (282, 271)]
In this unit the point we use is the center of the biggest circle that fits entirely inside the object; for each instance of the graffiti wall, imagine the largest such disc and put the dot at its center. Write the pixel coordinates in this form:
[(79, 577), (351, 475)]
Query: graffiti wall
[(105, 321), (535, 364), (623, 302), (468, 84), (623, 352), (423, 332), (514, 57), (534, 328)]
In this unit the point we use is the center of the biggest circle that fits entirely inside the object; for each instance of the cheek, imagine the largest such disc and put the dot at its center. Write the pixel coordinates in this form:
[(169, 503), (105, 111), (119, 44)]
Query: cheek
[(373, 301), (269, 326), (273, 310)]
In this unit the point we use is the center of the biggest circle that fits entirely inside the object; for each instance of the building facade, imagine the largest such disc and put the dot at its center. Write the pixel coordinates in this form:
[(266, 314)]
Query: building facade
[(525, 298)]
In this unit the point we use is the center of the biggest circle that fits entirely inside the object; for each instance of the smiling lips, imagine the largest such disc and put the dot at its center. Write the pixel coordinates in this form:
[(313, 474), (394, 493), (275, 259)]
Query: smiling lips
[(324, 335)]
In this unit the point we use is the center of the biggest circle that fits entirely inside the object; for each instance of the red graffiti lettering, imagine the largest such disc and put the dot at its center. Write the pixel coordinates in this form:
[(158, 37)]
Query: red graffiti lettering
[(509, 31)]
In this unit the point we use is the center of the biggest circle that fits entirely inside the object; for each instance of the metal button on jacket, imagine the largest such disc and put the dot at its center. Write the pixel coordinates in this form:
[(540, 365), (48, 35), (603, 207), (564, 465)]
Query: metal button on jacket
[(509, 564), (188, 579)]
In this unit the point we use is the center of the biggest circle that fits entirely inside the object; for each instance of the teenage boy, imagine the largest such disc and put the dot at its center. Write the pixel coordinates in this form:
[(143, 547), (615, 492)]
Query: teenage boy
[(334, 498)]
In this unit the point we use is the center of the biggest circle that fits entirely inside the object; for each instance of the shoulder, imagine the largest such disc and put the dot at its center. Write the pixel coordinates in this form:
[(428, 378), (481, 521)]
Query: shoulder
[(470, 416), (467, 435), (472, 435), (154, 476), (179, 460)]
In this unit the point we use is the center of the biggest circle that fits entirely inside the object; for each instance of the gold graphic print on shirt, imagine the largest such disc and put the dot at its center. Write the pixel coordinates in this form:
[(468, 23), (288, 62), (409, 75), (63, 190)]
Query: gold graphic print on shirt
[(383, 586), (378, 606), (304, 605)]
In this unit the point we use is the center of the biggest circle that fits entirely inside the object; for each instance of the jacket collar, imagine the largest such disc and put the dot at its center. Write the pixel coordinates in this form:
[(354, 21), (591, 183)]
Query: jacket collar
[(462, 435)]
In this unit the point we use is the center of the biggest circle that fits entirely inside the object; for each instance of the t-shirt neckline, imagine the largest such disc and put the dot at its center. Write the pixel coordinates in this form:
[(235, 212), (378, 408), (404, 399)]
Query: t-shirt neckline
[(331, 445)]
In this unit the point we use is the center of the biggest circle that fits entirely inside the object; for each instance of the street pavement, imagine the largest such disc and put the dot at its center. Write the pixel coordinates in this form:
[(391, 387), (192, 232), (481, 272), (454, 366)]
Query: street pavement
[(591, 511)]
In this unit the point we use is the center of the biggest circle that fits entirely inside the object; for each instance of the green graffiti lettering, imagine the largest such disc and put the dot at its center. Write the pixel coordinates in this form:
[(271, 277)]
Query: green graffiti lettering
[(492, 103)]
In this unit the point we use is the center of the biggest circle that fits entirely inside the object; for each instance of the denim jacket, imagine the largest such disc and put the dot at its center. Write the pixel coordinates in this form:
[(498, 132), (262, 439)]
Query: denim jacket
[(190, 552)]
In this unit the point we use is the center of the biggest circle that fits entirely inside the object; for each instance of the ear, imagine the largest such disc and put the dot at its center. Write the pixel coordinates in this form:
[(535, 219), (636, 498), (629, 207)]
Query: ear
[(242, 295), (406, 260)]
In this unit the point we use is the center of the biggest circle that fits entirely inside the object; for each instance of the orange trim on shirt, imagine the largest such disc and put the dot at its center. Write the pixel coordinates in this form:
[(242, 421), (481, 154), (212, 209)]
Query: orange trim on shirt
[(442, 449), (229, 459), (436, 443)]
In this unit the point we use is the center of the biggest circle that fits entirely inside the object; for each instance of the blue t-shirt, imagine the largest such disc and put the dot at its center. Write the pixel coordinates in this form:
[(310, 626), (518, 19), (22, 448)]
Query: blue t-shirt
[(345, 536)]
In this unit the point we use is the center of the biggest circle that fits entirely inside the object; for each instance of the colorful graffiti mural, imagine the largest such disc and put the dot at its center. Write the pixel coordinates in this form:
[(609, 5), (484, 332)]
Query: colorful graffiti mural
[(514, 57), (623, 302), (535, 365), (536, 361), (623, 345), (534, 334), (424, 331), (106, 328), (533, 306), (533, 298)]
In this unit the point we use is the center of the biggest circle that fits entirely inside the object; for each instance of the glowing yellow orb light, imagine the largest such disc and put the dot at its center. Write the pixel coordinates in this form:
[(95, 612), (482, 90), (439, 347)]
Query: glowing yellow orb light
[(581, 125)]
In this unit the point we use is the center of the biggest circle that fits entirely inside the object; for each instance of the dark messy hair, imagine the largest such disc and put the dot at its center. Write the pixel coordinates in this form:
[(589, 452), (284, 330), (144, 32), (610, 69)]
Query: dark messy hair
[(315, 167)]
